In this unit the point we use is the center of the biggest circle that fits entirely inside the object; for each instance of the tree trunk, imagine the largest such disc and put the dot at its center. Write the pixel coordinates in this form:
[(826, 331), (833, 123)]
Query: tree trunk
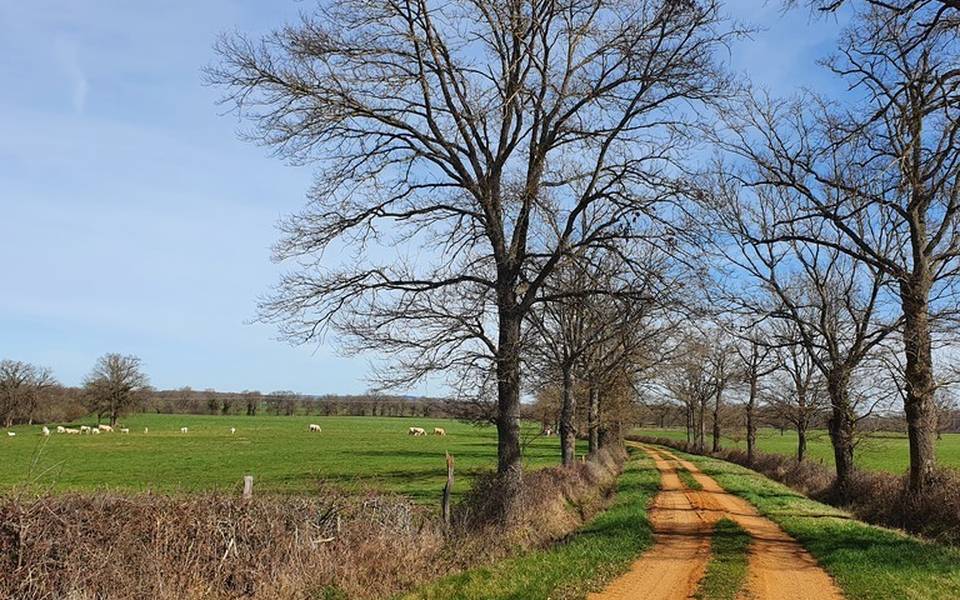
[(568, 412), (716, 420), (918, 375), (691, 422), (841, 427), (751, 423), (593, 418), (801, 441), (508, 397), (702, 426)]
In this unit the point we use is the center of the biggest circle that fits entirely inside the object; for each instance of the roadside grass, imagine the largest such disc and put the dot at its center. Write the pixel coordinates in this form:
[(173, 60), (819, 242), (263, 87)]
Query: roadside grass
[(688, 480), (351, 453), (868, 562), (585, 562), (727, 569), (882, 451)]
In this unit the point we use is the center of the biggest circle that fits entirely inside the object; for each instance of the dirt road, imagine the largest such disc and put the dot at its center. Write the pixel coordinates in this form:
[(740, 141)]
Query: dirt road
[(683, 520)]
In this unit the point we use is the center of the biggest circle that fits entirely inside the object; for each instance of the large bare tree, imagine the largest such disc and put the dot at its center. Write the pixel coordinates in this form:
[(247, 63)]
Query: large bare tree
[(115, 384), (22, 386), (448, 136)]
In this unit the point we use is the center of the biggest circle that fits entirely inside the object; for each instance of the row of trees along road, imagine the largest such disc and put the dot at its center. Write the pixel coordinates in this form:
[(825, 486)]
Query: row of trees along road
[(847, 213), (511, 187), (29, 392)]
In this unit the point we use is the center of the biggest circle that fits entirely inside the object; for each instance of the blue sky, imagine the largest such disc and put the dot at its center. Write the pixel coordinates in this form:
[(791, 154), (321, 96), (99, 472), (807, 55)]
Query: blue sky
[(132, 218)]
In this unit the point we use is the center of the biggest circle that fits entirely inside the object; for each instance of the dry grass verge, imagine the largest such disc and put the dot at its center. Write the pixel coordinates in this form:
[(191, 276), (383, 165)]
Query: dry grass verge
[(110, 546)]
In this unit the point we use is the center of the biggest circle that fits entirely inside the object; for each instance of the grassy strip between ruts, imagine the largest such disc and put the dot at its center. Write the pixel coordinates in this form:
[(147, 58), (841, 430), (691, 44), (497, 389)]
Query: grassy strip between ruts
[(867, 562), (592, 557), (728, 564), (687, 479)]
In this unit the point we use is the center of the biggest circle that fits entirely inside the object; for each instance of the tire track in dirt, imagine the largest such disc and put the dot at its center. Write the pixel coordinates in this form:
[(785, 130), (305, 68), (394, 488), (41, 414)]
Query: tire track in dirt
[(683, 521), (675, 565), (778, 567)]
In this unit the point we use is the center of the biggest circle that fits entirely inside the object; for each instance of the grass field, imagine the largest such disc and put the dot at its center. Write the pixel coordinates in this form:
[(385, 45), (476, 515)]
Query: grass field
[(879, 452), (354, 453)]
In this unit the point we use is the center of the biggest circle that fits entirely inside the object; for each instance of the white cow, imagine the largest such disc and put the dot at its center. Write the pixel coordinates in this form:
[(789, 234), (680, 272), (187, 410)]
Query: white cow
[(124, 430), (72, 431), (104, 428), (84, 429), (11, 434), (146, 430), (314, 427), (45, 430), (417, 431), (233, 430), (439, 431), (95, 431), (61, 429), (184, 430)]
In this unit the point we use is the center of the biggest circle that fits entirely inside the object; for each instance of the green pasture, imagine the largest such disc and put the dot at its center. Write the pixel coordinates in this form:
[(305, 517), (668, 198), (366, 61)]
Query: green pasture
[(882, 451), (352, 453)]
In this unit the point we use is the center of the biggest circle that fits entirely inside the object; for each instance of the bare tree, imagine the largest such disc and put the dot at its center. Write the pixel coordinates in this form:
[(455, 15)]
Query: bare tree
[(757, 360), (723, 371), (920, 19), (252, 401), (947, 405), (562, 334), (212, 401), (689, 380), (799, 398), (115, 384), (40, 383), (595, 323), (445, 133), (22, 386)]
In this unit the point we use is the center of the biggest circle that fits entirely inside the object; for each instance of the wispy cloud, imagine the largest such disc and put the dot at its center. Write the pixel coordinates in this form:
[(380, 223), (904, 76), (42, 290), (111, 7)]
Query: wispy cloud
[(76, 77)]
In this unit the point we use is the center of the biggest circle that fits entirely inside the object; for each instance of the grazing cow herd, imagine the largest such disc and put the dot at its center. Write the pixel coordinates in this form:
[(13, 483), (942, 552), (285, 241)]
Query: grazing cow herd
[(96, 430), (420, 431)]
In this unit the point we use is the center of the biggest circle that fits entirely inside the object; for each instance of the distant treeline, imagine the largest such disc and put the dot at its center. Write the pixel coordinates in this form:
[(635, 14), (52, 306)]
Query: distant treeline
[(671, 415), (252, 403)]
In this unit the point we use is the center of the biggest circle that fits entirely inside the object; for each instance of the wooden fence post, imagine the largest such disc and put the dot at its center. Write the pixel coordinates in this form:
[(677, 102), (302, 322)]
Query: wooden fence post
[(447, 490), (247, 487)]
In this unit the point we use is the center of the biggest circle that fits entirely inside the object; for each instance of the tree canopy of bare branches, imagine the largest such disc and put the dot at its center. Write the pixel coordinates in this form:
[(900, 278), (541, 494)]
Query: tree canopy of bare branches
[(114, 385), (463, 149), (22, 386), (876, 180)]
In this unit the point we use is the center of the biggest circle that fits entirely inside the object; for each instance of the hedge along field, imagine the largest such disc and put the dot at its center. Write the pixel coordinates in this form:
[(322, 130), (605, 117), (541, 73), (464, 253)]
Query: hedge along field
[(882, 451), (352, 453)]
